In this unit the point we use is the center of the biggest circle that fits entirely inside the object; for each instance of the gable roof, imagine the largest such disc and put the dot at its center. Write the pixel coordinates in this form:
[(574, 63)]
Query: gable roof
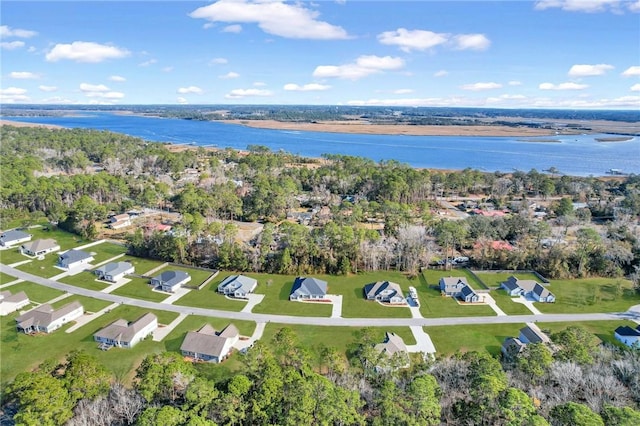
[(171, 278), (44, 315), (14, 235), (453, 281), (373, 289), (534, 335), (207, 342), (309, 285), (628, 331), (513, 283), (236, 282), (392, 344), (115, 268), (541, 291), (467, 291), (73, 255), (6, 296), (41, 244), (123, 331)]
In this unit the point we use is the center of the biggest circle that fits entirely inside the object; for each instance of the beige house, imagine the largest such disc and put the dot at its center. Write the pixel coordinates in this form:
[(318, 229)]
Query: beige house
[(125, 334), (39, 247), (208, 345), (46, 319), (12, 302)]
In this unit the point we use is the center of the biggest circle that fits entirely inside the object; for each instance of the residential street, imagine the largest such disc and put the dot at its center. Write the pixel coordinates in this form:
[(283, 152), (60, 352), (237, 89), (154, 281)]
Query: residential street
[(633, 314)]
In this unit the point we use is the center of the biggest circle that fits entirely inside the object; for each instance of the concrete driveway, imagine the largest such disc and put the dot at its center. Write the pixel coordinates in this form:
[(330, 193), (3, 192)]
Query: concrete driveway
[(257, 335), (254, 299), (423, 341), (528, 303), (492, 304), (336, 302)]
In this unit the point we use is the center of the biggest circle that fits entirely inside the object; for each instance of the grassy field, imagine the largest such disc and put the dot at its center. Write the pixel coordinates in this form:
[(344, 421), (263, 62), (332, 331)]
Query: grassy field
[(89, 303), (276, 289), (139, 288), (590, 295), (198, 276), (85, 280), (43, 268), (105, 251), (4, 278), (602, 329), (141, 265), (209, 298), (36, 292), (434, 305), (494, 279), (467, 338), (504, 302)]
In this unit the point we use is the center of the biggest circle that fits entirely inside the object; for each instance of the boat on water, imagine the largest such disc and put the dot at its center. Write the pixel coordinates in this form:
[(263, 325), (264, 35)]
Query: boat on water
[(616, 172)]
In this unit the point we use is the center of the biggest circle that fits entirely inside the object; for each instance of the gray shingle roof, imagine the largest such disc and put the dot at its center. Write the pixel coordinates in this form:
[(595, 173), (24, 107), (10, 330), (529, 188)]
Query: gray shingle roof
[(20, 296), (392, 344), (237, 282), (171, 278), (13, 235), (373, 289), (123, 331), (309, 286), (207, 342), (42, 244), (114, 268), (534, 335), (44, 315), (73, 255)]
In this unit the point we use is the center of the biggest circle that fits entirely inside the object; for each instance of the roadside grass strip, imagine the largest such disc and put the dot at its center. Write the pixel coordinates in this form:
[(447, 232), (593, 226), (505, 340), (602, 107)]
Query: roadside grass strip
[(590, 295), (209, 298)]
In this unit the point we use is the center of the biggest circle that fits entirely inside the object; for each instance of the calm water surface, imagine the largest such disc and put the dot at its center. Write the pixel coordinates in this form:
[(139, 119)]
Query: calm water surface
[(579, 155)]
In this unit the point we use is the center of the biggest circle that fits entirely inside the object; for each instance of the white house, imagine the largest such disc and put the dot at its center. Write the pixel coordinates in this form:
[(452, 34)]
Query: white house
[(13, 237), (125, 334), (45, 319), (73, 258), (629, 336), (238, 286), (39, 247), (12, 302), (120, 221), (385, 292), (529, 288), (393, 347), (169, 281), (114, 271), (208, 345), (308, 288), (458, 287)]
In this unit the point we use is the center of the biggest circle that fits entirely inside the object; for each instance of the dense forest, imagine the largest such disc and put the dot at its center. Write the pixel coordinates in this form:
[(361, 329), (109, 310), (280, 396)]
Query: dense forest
[(572, 381)]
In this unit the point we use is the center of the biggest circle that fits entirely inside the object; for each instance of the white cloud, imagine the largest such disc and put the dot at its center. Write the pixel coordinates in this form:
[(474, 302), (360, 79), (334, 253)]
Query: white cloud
[(86, 87), (259, 84), (11, 45), (562, 86), (273, 17), (13, 91), (229, 75), (181, 100), (362, 67), (515, 83), (583, 70), (218, 61), (12, 95), (83, 51), (206, 26), (167, 69), (311, 87), (408, 40), (635, 87), (481, 86), (191, 89), (6, 31), (232, 29), (242, 93), (632, 71), (589, 6), (105, 95), (402, 91), (635, 6), (147, 63), (117, 78), (441, 73), (471, 42), (47, 88), (23, 75)]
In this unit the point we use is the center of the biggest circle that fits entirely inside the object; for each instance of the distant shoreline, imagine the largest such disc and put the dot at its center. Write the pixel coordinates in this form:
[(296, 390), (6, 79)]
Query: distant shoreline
[(4, 122)]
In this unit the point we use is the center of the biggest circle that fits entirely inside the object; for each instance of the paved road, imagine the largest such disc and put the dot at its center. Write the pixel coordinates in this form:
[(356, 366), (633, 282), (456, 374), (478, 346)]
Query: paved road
[(633, 315)]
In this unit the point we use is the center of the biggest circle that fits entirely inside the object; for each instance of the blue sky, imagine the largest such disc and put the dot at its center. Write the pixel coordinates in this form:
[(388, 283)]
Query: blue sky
[(504, 54)]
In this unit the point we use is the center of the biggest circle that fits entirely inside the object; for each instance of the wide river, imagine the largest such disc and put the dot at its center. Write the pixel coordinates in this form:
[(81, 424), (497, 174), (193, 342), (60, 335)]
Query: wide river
[(578, 155)]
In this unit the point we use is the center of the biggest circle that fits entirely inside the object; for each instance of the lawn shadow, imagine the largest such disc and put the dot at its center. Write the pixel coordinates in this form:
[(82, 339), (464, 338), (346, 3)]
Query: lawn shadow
[(285, 291)]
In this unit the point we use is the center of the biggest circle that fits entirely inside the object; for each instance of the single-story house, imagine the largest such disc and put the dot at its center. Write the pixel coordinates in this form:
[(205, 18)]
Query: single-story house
[(39, 247), (237, 286), (114, 271), (458, 287), (384, 291), (73, 258), (12, 302), (512, 346), (13, 237), (169, 281), (629, 336), (46, 319), (530, 288), (208, 345), (308, 288), (120, 221), (125, 334), (393, 345)]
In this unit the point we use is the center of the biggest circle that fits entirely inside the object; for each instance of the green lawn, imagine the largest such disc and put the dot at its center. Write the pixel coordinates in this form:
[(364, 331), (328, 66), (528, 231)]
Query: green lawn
[(432, 277), (602, 329), (590, 295), (43, 268), (64, 239), (11, 256), (105, 251), (276, 289), (89, 303), (467, 338), (36, 292), (141, 265), (139, 288), (494, 279), (4, 278), (209, 298), (434, 305), (198, 276), (85, 280), (504, 302)]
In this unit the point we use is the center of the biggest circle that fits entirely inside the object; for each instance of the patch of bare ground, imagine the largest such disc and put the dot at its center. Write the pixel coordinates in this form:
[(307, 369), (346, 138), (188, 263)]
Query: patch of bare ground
[(22, 124)]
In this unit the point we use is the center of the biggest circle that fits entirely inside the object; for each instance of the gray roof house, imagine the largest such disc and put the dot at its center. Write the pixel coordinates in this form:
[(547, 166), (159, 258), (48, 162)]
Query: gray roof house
[(529, 288), (238, 286), (384, 291), (458, 287), (208, 345), (393, 346), (114, 271), (45, 319), (12, 302), (39, 247), (169, 281), (73, 258), (9, 238), (512, 346), (305, 288), (629, 336), (125, 334)]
